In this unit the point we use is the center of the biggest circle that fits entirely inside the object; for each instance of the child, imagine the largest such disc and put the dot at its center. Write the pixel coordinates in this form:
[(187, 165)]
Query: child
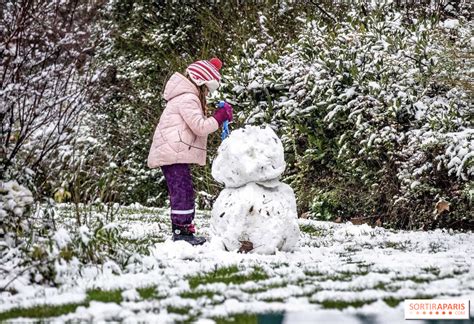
[(180, 139)]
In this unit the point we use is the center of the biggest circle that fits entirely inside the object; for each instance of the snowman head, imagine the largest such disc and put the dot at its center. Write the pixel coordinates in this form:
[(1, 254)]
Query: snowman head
[(249, 154)]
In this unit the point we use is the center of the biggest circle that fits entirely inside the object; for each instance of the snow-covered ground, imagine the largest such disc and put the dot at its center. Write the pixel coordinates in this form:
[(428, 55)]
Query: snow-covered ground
[(340, 273)]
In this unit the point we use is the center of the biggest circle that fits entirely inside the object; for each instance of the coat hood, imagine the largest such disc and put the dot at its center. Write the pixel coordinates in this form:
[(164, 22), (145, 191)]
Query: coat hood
[(177, 85)]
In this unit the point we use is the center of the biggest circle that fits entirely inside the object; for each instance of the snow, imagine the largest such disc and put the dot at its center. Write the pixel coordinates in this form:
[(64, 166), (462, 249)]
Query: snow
[(14, 198), (62, 238), (333, 262), (451, 23), (374, 85)]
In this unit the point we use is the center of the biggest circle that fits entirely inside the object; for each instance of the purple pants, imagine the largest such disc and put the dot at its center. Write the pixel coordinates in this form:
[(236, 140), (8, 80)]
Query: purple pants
[(181, 192)]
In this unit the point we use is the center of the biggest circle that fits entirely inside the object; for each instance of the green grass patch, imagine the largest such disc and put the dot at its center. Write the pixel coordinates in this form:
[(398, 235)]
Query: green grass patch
[(238, 319), (311, 230), (344, 276), (251, 318), (402, 246), (385, 287), (392, 301), (341, 304), (414, 279), (313, 273), (265, 288), (273, 300), (177, 310), (433, 270), (105, 296), (227, 275), (43, 311), (147, 292), (197, 294), (392, 245)]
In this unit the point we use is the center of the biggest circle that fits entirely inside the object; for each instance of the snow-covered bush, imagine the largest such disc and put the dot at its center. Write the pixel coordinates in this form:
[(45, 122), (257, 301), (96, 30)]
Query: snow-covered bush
[(43, 257), (371, 113), (15, 210), (46, 80)]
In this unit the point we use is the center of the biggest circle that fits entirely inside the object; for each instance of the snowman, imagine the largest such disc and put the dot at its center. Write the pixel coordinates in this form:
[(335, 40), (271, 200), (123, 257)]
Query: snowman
[(255, 212)]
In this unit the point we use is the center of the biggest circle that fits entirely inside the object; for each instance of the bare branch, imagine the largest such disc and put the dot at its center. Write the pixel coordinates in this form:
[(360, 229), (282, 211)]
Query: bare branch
[(323, 11)]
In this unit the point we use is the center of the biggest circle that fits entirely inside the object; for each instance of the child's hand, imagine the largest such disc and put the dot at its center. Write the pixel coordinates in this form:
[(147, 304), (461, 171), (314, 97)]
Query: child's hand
[(229, 110), (224, 113)]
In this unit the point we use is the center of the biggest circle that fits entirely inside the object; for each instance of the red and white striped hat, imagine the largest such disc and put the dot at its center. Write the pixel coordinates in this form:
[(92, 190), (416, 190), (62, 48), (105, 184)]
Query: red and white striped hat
[(206, 72)]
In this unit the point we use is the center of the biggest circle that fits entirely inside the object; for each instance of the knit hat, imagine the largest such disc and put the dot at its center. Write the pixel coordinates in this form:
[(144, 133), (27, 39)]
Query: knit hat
[(206, 72)]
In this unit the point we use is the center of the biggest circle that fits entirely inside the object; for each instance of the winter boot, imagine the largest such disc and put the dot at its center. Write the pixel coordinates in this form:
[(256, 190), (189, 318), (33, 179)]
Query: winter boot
[(186, 233)]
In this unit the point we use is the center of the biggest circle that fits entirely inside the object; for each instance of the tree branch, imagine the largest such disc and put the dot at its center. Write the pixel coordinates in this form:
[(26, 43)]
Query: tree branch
[(324, 11)]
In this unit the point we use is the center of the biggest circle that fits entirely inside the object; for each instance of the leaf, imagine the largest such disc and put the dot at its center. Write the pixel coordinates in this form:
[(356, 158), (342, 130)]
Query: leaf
[(378, 222), (61, 195), (441, 206), (245, 247), (305, 215)]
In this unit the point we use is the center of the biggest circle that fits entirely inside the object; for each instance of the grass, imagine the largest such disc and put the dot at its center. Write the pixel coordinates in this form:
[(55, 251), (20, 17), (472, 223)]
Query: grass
[(338, 276), (386, 287), (105, 296), (341, 304), (265, 288), (313, 273), (197, 294), (227, 275), (274, 300), (43, 311), (311, 230), (433, 270), (238, 319), (414, 279), (147, 292), (178, 310), (392, 301), (274, 318)]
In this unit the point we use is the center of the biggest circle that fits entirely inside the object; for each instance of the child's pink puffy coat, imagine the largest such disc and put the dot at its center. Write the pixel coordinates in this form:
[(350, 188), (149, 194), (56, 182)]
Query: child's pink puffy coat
[(181, 134)]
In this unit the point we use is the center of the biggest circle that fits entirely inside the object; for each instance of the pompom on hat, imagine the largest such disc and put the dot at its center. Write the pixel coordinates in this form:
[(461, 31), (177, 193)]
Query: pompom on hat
[(206, 72)]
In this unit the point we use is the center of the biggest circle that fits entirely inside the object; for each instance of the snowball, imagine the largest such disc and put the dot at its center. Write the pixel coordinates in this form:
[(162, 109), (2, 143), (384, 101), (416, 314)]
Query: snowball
[(249, 154), (263, 215)]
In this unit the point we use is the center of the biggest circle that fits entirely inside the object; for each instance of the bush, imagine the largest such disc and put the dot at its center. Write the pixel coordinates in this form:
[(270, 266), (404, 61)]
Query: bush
[(372, 124)]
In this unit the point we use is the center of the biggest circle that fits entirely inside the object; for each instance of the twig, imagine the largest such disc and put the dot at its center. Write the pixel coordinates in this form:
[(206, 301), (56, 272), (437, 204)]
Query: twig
[(323, 11), (19, 274), (414, 59)]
